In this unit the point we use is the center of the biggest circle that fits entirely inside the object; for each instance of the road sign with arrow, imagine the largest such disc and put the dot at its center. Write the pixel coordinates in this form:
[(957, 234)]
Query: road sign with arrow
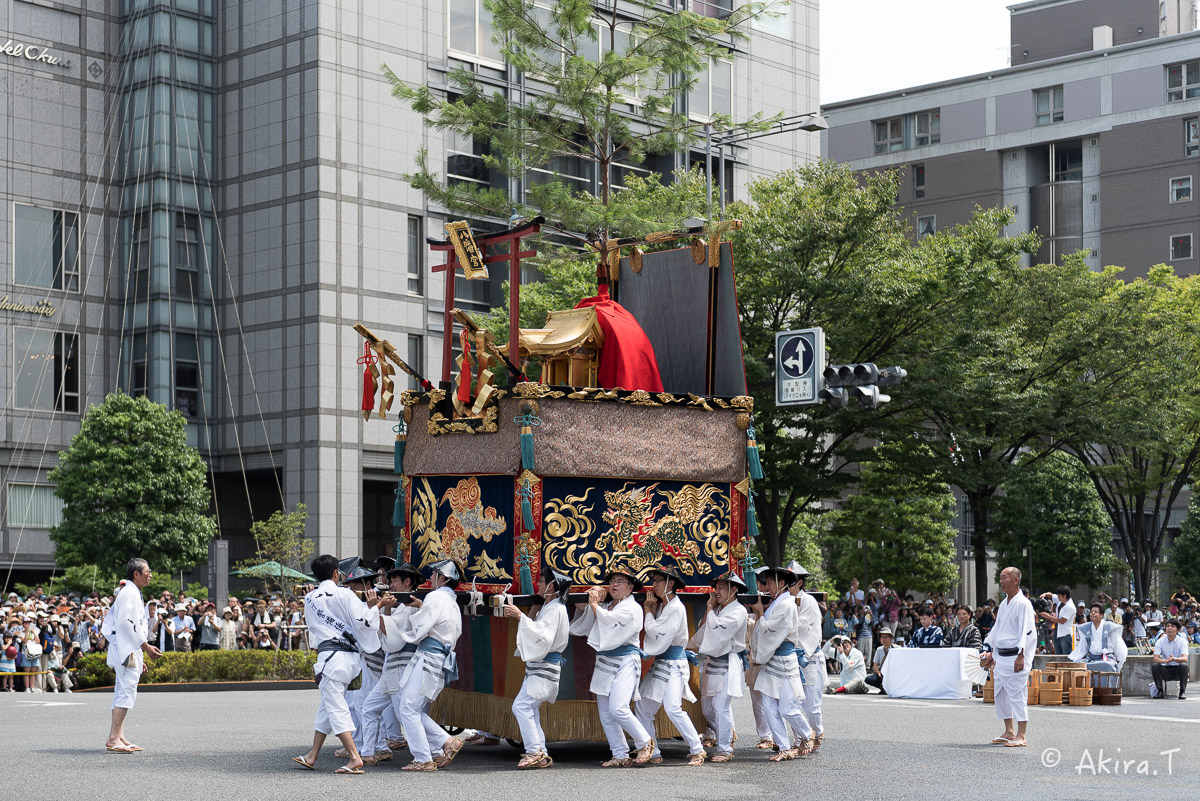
[(799, 362)]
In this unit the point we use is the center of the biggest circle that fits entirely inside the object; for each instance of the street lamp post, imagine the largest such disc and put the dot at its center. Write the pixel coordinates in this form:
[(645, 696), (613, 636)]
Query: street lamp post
[(797, 122)]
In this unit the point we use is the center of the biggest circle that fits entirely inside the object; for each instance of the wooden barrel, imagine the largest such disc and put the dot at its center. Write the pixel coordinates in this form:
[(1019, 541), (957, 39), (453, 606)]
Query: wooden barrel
[(1106, 688), (1033, 687), (1080, 696), (989, 689), (1050, 688)]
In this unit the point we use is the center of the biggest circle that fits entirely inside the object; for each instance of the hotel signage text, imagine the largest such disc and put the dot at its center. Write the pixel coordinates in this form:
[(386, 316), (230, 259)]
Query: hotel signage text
[(42, 307), (33, 53)]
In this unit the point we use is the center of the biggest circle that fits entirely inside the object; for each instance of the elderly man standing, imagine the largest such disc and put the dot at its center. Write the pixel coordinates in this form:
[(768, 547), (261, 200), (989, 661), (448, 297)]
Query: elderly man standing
[(125, 629), (1014, 642)]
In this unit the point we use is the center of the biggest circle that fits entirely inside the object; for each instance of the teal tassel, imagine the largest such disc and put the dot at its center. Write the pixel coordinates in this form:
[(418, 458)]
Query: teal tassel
[(751, 517), (401, 443), (527, 507), (398, 509), (526, 420), (748, 575), (527, 450), (753, 463), (526, 575)]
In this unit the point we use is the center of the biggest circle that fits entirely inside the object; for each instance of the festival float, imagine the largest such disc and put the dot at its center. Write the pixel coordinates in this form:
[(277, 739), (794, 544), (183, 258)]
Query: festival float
[(634, 443)]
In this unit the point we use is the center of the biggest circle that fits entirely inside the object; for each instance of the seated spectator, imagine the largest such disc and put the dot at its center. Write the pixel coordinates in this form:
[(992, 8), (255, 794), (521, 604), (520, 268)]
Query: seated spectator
[(886, 643), (1193, 633), (1170, 660), (1099, 643), (928, 635), (1181, 598), (854, 667), (965, 634), (57, 678)]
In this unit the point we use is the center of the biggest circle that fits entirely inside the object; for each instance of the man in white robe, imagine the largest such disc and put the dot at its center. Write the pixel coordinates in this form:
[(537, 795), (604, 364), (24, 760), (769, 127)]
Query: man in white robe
[(370, 658), (666, 685), (721, 640), (336, 619), (435, 629), (779, 678), (1099, 643), (125, 629), (541, 639), (381, 703), (614, 631), (807, 639), (1013, 639)]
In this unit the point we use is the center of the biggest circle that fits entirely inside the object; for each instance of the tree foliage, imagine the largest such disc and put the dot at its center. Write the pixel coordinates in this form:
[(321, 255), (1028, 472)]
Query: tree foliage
[(1050, 506), (280, 538), (131, 486), (1185, 556), (896, 526)]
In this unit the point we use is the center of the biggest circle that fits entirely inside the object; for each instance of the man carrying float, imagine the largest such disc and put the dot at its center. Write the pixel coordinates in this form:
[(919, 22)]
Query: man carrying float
[(721, 640)]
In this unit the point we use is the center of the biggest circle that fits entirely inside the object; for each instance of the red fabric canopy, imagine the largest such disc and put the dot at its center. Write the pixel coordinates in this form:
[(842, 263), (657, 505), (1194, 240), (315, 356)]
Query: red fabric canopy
[(627, 358)]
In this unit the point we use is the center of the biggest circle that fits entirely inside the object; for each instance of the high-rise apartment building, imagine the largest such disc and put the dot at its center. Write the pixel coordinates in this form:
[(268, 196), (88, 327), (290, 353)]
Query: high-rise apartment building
[(200, 199), (1090, 136)]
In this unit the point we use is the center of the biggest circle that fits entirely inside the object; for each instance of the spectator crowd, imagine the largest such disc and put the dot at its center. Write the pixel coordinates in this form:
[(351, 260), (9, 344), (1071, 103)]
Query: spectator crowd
[(45, 635)]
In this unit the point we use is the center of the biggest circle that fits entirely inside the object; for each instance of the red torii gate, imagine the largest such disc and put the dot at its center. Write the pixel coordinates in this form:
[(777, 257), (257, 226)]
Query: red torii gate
[(514, 255)]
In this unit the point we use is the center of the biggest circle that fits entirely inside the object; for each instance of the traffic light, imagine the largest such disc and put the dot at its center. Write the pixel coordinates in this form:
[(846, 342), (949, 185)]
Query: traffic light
[(862, 381)]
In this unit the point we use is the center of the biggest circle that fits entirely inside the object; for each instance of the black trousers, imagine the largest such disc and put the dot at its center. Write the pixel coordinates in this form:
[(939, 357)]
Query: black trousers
[(1175, 672), (874, 680)]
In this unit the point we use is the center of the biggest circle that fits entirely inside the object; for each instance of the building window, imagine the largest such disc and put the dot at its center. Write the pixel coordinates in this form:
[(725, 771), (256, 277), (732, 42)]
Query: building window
[(464, 160), (889, 135), (470, 30), (574, 171), (1048, 105), (33, 506), (918, 182), (1191, 137), (416, 359), (45, 370), (712, 94), (187, 375), (927, 128), (1181, 189), (46, 252), (187, 256), (416, 255), (139, 369), (1183, 81), (926, 226), (1181, 247)]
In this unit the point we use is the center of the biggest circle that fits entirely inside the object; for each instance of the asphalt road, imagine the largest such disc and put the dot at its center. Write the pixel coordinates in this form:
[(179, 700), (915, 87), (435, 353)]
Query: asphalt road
[(238, 745)]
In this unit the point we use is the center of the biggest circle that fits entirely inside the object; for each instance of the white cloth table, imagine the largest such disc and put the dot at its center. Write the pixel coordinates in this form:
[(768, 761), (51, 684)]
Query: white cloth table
[(943, 673)]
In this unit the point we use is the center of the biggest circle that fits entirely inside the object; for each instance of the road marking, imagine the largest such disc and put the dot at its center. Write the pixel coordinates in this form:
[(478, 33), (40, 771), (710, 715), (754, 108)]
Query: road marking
[(50, 703), (1120, 715)]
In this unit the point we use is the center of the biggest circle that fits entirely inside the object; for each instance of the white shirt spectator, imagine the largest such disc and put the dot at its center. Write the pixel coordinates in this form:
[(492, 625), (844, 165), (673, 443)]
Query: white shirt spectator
[(1169, 648), (1067, 627), (1155, 615)]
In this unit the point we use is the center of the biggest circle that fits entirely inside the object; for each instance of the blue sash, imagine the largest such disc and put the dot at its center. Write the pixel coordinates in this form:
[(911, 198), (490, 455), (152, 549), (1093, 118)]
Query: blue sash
[(789, 647), (556, 657), (624, 650), (745, 657), (677, 652), (449, 661)]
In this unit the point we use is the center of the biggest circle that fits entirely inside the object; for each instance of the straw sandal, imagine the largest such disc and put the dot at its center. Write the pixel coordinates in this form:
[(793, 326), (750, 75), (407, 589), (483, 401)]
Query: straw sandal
[(643, 753), (383, 755), (396, 745), (697, 759), (708, 742), (785, 755), (817, 740), (722, 758), (449, 751), (766, 745), (421, 767), (617, 763), (539, 760)]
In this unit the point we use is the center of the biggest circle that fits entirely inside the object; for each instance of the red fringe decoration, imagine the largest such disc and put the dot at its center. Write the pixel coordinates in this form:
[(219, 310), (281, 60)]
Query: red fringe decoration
[(368, 396)]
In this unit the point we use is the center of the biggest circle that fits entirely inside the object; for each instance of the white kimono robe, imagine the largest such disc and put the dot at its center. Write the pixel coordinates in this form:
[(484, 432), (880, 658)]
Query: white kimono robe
[(720, 639), (772, 630), (1099, 651), (549, 633), (398, 653), (330, 612), (669, 628), (607, 629), (439, 617), (125, 627), (1015, 627)]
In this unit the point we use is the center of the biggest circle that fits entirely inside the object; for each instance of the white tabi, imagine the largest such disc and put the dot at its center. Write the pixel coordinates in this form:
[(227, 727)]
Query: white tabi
[(330, 612), (666, 685), (721, 640), (615, 678), (779, 677), (435, 629), (807, 638), (1015, 629), (125, 629), (382, 702), (540, 644), (1102, 648)]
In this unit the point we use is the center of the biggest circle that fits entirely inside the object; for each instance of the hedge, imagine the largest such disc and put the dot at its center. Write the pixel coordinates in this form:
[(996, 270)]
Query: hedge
[(205, 666)]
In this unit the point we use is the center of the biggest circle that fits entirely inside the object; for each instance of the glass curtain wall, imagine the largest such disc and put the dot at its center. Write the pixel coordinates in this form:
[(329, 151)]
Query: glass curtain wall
[(167, 168)]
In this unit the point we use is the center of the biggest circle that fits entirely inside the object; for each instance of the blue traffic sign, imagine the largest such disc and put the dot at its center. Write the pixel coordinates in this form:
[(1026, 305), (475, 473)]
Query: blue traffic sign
[(799, 362)]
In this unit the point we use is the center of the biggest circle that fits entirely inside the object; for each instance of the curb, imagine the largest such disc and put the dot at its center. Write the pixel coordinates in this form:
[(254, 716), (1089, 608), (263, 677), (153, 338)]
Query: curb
[(217, 686)]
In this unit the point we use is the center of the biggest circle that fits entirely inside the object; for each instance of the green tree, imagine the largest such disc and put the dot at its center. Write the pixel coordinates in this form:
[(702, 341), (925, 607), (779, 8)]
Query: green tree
[(823, 246), (1185, 556), (280, 538), (131, 486), (1050, 506), (85, 578), (897, 526), (1142, 445)]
